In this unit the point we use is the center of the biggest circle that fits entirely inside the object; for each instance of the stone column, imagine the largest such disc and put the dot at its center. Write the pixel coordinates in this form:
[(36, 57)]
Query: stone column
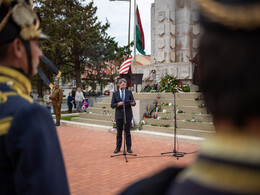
[(195, 28), (153, 54), (183, 30), (163, 25)]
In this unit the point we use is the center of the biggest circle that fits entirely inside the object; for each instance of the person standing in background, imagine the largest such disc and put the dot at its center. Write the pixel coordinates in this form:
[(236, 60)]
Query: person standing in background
[(196, 73), (56, 101), (70, 102), (79, 97), (47, 100), (73, 95)]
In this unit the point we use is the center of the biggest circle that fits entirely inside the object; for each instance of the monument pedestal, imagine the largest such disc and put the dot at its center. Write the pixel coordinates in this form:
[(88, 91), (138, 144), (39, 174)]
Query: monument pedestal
[(183, 71)]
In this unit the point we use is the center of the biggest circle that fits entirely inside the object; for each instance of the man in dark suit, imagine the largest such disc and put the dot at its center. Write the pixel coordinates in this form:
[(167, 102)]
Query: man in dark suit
[(121, 97)]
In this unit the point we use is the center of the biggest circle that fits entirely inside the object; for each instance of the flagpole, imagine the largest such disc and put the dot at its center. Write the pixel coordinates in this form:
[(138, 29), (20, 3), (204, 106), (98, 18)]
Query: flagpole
[(135, 32), (129, 22)]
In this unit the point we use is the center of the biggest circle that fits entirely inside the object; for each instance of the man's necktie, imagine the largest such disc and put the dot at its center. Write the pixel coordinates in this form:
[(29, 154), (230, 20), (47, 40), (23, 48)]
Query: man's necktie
[(123, 98)]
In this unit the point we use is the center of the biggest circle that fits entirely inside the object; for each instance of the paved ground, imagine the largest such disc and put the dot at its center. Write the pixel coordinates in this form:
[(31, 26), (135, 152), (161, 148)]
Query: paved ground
[(91, 170)]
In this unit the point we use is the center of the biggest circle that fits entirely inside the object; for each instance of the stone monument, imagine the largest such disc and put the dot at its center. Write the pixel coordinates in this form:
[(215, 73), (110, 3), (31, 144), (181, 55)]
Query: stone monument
[(174, 37)]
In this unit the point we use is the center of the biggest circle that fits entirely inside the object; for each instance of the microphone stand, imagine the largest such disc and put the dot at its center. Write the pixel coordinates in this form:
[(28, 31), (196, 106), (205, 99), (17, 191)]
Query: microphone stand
[(175, 152), (124, 152)]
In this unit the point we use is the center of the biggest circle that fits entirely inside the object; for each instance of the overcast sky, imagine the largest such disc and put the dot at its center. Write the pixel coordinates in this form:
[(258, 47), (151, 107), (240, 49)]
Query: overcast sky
[(117, 13)]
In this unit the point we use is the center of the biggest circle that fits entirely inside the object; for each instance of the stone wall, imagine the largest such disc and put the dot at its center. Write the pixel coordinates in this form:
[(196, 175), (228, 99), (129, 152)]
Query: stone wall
[(182, 71)]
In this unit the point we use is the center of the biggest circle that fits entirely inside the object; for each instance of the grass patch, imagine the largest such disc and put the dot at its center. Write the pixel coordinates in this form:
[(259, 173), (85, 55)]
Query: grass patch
[(158, 125), (68, 118)]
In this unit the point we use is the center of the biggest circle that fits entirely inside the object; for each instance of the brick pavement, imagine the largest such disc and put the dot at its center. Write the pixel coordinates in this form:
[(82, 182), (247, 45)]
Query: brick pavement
[(91, 170)]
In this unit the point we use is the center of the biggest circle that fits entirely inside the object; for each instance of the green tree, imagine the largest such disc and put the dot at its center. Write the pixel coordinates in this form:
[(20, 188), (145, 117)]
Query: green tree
[(79, 42)]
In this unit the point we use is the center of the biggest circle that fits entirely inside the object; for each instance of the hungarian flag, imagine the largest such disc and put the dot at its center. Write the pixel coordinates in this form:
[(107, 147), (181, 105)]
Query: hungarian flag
[(179, 90), (139, 33), (124, 68)]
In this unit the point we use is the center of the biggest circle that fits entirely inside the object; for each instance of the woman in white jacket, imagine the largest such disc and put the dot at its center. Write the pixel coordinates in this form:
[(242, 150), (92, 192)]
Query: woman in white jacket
[(79, 97)]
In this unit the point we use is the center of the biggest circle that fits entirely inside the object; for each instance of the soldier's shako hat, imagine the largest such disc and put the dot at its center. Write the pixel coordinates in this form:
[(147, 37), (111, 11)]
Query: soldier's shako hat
[(230, 14), (17, 19)]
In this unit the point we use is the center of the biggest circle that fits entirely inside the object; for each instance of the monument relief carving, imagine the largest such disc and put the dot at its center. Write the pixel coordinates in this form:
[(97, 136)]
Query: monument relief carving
[(158, 73), (174, 71), (172, 29), (161, 43), (196, 29), (195, 43), (161, 57), (184, 72), (172, 56), (195, 16), (172, 43), (161, 29), (161, 16), (172, 15)]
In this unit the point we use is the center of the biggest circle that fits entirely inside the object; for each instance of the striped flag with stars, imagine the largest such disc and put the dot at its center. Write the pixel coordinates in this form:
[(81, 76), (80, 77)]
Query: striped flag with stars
[(124, 68)]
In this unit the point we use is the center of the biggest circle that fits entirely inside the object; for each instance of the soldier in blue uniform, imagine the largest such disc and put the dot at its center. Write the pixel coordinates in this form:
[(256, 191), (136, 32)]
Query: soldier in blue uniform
[(31, 160)]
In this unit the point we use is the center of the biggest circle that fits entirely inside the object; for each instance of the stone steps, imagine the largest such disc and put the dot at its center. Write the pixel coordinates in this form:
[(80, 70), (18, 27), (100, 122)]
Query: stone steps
[(200, 117), (97, 116), (100, 110), (186, 102), (201, 127), (186, 109), (182, 124), (103, 114), (102, 105), (107, 100), (180, 131), (93, 121), (190, 95)]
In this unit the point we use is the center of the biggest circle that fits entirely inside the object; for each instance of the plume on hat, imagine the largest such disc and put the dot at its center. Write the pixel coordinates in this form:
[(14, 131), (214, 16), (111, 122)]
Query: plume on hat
[(22, 14)]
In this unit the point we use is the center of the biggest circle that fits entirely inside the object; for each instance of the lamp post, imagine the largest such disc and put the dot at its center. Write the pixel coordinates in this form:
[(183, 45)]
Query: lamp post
[(129, 18)]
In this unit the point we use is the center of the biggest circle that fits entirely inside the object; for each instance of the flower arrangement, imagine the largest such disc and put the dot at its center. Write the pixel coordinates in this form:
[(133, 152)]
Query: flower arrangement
[(142, 122), (114, 123), (169, 83), (162, 118), (132, 123), (193, 120), (180, 111), (201, 106)]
